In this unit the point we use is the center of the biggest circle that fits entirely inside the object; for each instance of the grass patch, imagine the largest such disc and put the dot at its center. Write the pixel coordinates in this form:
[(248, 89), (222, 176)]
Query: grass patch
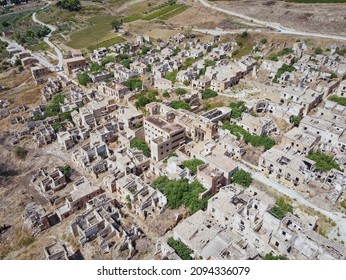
[(209, 105), (42, 46), (99, 32), (174, 12), (338, 99), (189, 61), (53, 15), (245, 47), (107, 43), (316, 1), (131, 18), (162, 11)]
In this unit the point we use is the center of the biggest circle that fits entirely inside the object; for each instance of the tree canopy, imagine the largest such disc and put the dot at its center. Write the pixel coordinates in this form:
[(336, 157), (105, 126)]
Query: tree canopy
[(242, 178), (141, 145), (71, 5), (209, 93), (323, 161), (192, 165), (181, 192), (133, 84)]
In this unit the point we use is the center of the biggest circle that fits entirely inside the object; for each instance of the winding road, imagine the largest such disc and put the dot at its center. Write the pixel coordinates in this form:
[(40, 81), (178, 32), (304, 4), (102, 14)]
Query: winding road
[(60, 57), (274, 25)]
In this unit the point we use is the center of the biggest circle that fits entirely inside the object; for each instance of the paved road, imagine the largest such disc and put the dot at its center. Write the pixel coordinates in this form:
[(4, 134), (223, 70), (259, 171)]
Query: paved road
[(14, 45), (274, 25), (337, 217), (46, 39)]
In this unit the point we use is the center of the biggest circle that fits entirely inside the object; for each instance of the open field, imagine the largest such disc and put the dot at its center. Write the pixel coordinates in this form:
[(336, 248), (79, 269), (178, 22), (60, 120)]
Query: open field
[(107, 43), (328, 18), (162, 11), (100, 31), (174, 12), (317, 1)]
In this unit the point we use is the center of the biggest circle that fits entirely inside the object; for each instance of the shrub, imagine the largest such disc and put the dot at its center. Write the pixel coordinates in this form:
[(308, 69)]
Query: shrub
[(66, 170), (318, 50), (180, 91), (295, 120), (20, 152), (179, 104)]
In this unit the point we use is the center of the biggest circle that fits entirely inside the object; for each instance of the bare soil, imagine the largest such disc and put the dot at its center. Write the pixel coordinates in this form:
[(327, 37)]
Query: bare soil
[(320, 18)]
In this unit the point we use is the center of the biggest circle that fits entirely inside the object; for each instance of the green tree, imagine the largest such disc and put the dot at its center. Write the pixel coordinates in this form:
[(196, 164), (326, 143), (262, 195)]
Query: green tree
[(116, 24), (323, 161), (242, 178), (295, 120), (180, 249), (66, 170), (71, 5), (141, 145), (244, 34), (237, 109), (133, 84), (192, 165), (84, 79), (181, 192), (208, 93), (166, 94), (186, 82), (18, 62)]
